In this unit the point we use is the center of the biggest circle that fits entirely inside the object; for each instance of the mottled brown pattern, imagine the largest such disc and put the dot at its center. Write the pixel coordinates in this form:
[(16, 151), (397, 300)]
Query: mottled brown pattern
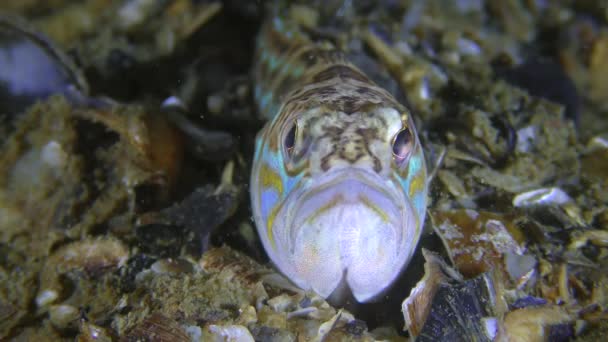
[(340, 71), (350, 143), (333, 85), (340, 95)]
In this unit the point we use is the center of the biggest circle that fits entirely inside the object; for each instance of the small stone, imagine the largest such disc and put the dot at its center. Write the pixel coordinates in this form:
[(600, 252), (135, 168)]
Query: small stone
[(63, 316)]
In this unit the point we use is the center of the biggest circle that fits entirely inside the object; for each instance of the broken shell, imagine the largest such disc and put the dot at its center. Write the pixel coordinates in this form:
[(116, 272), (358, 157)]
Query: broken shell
[(151, 143), (520, 268), (479, 241), (327, 327), (444, 307), (158, 328), (417, 305), (59, 150), (227, 333), (90, 257), (534, 323), (543, 196)]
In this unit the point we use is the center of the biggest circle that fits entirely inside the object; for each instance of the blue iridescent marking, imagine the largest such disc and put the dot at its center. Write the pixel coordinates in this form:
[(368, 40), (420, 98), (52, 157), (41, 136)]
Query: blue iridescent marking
[(290, 183), (415, 164), (414, 168), (418, 202), (269, 199)]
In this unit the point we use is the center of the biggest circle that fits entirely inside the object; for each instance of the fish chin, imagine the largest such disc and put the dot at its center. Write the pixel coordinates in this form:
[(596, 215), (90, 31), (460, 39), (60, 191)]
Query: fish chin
[(350, 234)]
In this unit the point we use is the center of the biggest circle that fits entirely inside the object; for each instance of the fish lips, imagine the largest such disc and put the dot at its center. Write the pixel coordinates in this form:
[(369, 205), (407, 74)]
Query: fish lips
[(351, 229)]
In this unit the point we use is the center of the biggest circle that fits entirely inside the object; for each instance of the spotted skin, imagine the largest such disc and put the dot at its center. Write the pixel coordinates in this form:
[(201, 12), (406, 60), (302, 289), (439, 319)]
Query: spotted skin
[(338, 185)]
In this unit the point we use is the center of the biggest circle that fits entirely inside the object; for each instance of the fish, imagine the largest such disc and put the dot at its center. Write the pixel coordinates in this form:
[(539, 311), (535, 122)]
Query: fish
[(339, 181)]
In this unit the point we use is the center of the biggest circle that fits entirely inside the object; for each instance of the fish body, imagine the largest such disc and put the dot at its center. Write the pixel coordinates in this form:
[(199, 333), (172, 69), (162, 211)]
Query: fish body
[(338, 185)]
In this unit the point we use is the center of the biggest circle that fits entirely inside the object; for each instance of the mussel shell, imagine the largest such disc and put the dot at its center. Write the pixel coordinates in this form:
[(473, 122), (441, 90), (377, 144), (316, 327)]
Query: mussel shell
[(32, 68), (458, 311)]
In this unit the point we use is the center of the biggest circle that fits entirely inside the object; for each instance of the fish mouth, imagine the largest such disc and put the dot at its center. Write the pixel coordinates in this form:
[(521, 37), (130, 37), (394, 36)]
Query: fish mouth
[(347, 187), (352, 230)]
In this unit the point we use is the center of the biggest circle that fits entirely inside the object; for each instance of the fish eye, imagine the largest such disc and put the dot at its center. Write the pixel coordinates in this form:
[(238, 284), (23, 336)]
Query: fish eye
[(290, 139), (402, 144)]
